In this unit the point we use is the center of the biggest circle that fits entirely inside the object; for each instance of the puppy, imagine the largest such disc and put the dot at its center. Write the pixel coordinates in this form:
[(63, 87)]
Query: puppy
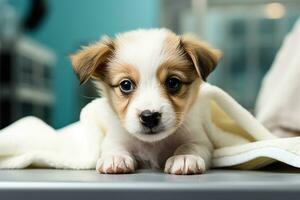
[(151, 107)]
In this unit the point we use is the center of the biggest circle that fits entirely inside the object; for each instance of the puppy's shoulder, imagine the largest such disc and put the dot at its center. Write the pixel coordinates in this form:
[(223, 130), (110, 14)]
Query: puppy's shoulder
[(96, 110)]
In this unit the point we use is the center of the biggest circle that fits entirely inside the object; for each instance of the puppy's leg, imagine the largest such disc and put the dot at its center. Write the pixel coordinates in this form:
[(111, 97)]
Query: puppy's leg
[(190, 158), (115, 158)]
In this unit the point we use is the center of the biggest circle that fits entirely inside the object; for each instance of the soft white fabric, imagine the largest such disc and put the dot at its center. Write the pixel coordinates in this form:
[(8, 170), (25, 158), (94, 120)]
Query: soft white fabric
[(259, 154), (278, 104), (30, 141), (249, 145)]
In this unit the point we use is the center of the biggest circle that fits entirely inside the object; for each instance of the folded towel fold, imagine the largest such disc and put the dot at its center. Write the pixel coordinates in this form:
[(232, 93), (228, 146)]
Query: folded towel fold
[(278, 103)]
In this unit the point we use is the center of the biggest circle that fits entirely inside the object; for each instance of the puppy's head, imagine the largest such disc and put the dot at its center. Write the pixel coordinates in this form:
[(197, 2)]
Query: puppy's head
[(151, 77)]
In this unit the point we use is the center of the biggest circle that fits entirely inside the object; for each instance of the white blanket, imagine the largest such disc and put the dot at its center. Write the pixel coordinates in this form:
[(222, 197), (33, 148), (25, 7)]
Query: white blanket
[(278, 104), (239, 140)]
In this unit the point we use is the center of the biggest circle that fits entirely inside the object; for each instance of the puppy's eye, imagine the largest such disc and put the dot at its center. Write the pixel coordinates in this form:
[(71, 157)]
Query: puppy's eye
[(126, 86), (173, 84)]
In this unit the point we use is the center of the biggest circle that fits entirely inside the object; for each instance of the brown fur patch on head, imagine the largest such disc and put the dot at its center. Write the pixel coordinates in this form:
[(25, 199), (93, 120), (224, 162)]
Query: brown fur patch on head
[(178, 63), (186, 58), (91, 60), (117, 72), (204, 57)]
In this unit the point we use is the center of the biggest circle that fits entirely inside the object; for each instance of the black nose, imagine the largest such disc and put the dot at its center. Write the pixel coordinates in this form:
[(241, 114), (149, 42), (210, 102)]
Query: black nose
[(150, 119)]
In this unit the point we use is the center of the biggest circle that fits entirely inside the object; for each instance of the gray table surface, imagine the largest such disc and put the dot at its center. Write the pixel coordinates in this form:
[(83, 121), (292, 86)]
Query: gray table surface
[(147, 184)]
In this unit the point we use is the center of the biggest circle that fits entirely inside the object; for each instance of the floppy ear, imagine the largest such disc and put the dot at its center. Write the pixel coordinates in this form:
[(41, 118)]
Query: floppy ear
[(91, 60), (204, 57)]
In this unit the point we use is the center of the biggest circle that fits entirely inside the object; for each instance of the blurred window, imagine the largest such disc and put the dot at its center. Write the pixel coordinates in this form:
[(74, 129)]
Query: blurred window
[(27, 71), (5, 107), (248, 32), (5, 67), (27, 109), (47, 77), (238, 28)]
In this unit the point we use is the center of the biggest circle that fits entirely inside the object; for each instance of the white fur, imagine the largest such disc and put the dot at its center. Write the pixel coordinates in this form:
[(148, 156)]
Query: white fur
[(119, 143), (120, 149), (144, 50)]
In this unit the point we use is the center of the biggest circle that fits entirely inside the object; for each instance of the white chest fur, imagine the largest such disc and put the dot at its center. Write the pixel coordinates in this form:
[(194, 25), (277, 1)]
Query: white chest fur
[(147, 154)]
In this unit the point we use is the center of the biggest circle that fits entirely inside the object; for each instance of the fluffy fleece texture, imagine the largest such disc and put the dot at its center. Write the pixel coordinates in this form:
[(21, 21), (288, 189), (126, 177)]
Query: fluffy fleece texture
[(239, 140), (278, 103)]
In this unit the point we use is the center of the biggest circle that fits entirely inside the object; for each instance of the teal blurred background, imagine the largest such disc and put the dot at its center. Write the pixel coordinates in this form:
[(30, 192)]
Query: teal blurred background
[(35, 57), (70, 24), (73, 23)]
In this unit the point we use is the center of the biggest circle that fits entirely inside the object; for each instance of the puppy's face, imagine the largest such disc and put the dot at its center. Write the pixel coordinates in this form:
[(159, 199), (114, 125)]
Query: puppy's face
[(151, 77)]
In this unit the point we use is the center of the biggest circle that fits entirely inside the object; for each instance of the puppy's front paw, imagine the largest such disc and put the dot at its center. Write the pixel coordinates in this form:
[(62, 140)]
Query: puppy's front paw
[(185, 164), (115, 164)]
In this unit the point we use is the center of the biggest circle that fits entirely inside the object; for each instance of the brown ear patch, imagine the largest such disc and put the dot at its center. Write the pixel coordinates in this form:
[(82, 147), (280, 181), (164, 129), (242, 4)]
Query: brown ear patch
[(204, 57), (91, 60)]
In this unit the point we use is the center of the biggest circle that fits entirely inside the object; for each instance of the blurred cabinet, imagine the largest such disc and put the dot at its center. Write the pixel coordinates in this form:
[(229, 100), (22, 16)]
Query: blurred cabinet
[(26, 77)]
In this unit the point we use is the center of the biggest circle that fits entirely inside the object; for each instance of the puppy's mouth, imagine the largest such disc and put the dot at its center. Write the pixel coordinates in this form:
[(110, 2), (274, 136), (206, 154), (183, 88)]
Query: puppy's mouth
[(153, 134), (152, 131), (150, 128)]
